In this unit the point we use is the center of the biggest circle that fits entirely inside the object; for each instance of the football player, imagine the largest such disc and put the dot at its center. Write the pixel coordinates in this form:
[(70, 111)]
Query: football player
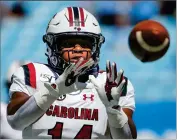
[(68, 97)]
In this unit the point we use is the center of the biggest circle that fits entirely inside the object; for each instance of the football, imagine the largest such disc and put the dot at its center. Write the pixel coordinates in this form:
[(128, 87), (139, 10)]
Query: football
[(149, 40)]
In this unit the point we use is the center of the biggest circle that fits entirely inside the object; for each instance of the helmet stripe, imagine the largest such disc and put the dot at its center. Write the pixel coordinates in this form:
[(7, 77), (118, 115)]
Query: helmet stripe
[(70, 13), (82, 16), (76, 16)]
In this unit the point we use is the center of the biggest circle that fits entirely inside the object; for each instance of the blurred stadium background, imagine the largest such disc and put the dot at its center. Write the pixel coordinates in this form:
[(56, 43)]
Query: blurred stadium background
[(24, 23)]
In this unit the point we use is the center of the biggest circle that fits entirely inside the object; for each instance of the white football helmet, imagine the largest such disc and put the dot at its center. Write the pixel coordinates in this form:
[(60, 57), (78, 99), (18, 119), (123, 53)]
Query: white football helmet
[(71, 21)]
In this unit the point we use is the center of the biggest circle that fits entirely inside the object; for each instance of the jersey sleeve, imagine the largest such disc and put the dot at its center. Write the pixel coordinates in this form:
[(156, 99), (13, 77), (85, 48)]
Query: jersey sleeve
[(127, 100), (18, 82)]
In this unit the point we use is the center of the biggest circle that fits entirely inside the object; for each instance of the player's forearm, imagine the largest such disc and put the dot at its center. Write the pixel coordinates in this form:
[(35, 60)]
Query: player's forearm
[(118, 123), (124, 132), (121, 133), (128, 131), (27, 114), (15, 104), (31, 110), (132, 128)]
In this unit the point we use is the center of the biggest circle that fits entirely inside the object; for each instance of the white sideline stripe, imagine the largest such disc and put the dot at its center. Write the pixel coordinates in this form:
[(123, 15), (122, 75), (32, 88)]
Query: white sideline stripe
[(149, 47)]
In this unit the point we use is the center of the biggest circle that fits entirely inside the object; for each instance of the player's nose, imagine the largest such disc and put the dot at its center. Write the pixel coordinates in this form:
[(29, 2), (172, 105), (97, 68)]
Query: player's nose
[(77, 47)]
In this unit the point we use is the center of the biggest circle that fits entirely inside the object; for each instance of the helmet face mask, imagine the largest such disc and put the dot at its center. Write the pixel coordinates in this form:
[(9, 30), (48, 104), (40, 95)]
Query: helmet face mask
[(60, 36)]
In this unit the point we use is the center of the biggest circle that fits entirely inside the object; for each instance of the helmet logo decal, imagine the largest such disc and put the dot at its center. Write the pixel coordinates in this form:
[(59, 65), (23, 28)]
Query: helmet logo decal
[(95, 24), (78, 14), (54, 60), (77, 28), (56, 24)]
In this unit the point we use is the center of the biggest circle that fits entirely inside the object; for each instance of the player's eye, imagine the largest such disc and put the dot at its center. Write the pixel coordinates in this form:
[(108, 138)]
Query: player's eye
[(86, 45), (67, 45)]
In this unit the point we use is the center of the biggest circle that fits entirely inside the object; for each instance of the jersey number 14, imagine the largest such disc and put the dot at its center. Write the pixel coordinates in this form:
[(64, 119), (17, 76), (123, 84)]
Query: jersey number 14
[(84, 133)]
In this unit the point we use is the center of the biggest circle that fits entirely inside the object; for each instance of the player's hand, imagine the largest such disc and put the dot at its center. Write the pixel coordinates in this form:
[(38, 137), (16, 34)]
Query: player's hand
[(110, 91), (68, 81)]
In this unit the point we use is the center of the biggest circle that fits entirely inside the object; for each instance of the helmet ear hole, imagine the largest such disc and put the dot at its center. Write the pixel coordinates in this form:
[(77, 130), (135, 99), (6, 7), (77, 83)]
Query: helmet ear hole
[(49, 39)]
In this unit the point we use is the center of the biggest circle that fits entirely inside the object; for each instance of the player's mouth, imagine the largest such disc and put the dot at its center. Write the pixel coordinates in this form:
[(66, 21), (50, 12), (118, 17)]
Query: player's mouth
[(75, 58)]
